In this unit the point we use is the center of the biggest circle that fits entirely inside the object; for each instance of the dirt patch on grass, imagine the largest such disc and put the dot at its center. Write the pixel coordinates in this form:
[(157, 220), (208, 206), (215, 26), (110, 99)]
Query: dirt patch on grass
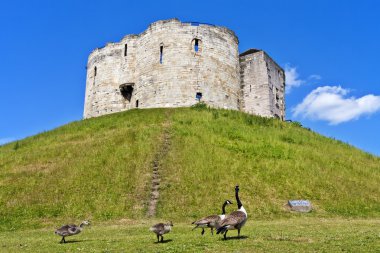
[(157, 167)]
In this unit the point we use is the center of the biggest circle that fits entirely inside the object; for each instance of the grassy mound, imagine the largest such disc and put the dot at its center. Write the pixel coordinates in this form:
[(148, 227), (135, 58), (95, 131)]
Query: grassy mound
[(101, 168)]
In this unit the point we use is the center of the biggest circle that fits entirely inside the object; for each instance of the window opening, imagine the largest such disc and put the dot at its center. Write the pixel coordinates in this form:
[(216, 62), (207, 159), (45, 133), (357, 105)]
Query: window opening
[(277, 95), (125, 49), (198, 96), (95, 70), (196, 45), (137, 103), (126, 91), (161, 53)]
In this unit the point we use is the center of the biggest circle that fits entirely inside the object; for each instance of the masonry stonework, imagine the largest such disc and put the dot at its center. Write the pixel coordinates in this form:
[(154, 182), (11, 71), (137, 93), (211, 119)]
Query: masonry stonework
[(262, 84), (175, 64)]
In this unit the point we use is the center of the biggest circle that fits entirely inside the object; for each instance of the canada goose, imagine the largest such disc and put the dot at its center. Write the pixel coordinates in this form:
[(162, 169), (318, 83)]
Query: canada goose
[(234, 220), (211, 221), (71, 229), (160, 229)]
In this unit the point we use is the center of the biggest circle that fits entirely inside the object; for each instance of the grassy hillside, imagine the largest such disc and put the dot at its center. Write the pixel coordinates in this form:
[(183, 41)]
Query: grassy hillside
[(101, 169)]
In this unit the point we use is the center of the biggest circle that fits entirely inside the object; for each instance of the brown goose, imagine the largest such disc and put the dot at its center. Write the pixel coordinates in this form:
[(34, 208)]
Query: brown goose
[(70, 229), (234, 220), (211, 221), (160, 229)]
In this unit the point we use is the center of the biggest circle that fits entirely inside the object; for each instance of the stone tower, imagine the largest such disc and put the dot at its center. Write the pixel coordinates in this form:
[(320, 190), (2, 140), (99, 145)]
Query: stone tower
[(262, 84), (175, 64)]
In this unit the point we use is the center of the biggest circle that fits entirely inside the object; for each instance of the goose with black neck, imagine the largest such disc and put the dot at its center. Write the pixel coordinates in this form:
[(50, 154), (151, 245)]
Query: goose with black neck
[(212, 221), (236, 219)]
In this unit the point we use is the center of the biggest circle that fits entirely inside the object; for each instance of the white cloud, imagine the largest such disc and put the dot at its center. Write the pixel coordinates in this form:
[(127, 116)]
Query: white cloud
[(6, 140), (329, 103), (315, 77), (292, 78)]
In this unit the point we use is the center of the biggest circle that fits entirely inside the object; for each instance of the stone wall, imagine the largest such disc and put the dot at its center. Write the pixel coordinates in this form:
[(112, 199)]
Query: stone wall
[(175, 64), (262, 85), (211, 69)]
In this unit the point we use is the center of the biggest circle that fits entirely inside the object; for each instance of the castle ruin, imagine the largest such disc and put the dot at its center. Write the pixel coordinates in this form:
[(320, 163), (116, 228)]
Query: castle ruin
[(178, 64)]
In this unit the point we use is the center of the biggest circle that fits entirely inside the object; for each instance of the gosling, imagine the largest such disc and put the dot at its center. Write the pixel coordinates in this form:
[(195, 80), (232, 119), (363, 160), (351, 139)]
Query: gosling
[(70, 229), (160, 229)]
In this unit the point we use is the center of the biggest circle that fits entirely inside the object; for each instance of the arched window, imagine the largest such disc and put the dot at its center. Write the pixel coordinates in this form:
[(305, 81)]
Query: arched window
[(196, 44)]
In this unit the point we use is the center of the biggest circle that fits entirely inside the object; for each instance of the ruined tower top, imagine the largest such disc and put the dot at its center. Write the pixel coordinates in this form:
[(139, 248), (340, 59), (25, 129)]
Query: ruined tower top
[(177, 64)]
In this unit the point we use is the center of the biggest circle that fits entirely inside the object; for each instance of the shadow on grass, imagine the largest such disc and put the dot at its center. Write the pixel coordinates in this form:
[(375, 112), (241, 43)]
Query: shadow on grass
[(72, 241), (243, 237), (92, 240), (164, 241)]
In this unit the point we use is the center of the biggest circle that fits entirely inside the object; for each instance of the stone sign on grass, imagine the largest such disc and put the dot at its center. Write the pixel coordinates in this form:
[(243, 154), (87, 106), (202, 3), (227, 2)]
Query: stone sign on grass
[(303, 206)]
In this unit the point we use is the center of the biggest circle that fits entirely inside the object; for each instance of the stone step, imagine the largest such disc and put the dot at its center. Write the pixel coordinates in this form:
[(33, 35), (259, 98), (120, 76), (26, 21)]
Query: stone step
[(155, 195), (156, 181)]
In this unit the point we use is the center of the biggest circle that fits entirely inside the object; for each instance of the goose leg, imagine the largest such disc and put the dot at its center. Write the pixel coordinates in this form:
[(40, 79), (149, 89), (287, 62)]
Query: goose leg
[(158, 238), (239, 232), (162, 238), (62, 240), (212, 231), (203, 231), (225, 235)]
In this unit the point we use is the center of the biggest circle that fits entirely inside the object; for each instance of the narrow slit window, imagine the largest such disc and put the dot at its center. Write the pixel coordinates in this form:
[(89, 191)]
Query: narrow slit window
[(196, 45), (125, 49), (137, 103), (161, 53), (95, 71)]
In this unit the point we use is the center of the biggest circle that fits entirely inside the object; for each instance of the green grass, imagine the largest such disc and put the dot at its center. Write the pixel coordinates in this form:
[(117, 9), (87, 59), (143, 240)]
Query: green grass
[(290, 235), (100, 169), (97, 168), (273, 161)]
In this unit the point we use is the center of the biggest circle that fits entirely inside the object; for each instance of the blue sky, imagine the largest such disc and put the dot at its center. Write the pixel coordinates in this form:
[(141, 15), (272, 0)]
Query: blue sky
[(330, 50)]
